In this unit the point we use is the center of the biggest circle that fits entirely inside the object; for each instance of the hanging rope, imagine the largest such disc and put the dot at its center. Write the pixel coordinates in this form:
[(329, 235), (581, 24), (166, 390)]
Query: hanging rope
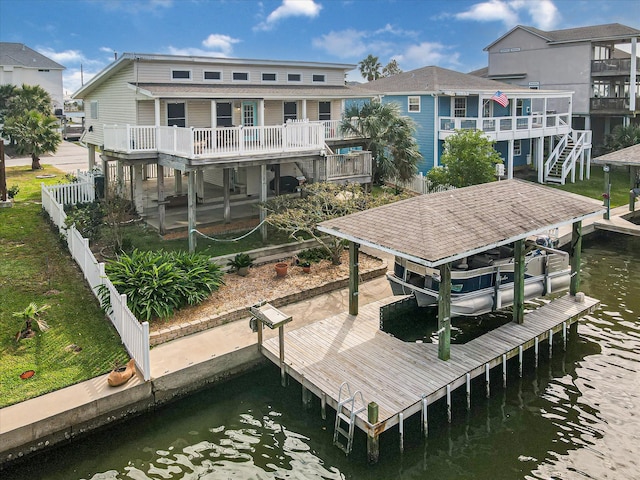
[(228, 239)]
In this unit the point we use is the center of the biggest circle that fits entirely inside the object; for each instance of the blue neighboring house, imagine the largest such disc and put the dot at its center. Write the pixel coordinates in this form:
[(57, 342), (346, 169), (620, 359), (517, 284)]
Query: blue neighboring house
[(529, 126)]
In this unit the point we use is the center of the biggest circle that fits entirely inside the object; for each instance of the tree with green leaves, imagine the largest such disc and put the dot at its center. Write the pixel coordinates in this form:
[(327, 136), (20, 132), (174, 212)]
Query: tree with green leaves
[(622, 136), (468, 158), (7, 93), (392, 68), (300, 216), (34, 134), (370, 68), (388, 135)]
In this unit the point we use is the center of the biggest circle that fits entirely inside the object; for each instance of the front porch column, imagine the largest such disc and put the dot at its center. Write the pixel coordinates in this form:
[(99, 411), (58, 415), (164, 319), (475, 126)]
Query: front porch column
[(105, 172), (226, 186), (353, 277), (518, 282), (632, 80), (304, 109), (444, 313), (156, 112), (574, 255), (119, 178), (161, 205), (263, 198), (200, 185), (92, 156), (178, 181), (510, 159), (191, 209), (540, 158), (138, 192), (276, 179)]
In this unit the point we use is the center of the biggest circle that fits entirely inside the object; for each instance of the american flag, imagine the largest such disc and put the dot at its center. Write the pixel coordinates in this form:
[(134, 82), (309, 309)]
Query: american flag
[(501, 98)]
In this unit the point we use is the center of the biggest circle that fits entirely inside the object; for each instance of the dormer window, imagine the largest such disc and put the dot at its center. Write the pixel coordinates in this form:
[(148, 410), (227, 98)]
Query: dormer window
[(240, 76), (181, 74)]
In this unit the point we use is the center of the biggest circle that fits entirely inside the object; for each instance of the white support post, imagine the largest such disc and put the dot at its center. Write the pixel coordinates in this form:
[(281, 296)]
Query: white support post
[(550, 343), (504, 370), (425, 423), (510, 159), (632, 80), (263, 198), (487, 379), (520, 360), (468, 391), (449, 403), (564, 336), (535, 349), (323, 406), (146, 372), (401, 426)]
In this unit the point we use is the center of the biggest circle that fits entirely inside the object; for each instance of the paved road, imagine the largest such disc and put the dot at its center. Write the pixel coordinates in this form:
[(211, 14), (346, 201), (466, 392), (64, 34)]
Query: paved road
[(69, 158)]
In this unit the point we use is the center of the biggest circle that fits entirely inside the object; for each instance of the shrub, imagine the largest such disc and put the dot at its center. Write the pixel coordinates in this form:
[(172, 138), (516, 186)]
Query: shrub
[(157, 282), (13, 191), (314, 255), (241, 260), (87, 218)]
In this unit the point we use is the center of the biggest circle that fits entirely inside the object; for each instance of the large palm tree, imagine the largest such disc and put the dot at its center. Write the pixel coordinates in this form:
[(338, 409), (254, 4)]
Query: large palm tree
[(35, 134), (370, 68), (389, 137), (27, 98), (622, 137)]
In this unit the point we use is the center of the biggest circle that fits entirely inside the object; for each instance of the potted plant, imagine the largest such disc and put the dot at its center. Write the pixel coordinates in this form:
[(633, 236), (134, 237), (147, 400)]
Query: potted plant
[(281, 269), (306, 267), (32, 314), (241, 263)]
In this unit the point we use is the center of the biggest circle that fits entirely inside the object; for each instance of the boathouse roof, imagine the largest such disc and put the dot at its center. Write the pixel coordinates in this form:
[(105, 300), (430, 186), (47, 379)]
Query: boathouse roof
[(442, 227), (624, 156)]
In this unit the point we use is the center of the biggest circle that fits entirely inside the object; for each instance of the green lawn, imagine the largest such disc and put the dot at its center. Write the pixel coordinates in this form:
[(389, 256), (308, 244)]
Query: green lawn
[(35, 268), (594, 187)]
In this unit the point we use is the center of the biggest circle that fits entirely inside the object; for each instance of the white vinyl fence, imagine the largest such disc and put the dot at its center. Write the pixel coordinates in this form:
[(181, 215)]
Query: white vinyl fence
[(134, 335), (421, 184)]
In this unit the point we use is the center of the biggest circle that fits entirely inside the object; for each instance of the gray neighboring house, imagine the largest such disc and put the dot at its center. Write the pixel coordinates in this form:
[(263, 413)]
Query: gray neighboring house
[(585, 60), (20, 65)]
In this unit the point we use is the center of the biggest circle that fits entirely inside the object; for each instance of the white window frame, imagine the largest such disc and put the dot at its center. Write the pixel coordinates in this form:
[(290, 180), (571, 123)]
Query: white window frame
[(284, 114), (455, 108), (314, 75), (517, 148), (204, 79), (324, 113), (487, 108), (275, 77), (177, 102), (233, 79), (294, 81), (173, 79), (93, 109), (411, 104)]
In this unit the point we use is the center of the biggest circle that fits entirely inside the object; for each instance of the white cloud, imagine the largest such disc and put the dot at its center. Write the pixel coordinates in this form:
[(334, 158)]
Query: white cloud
[(66, 56), (222, 43), (491, 11), (541, 13), (343, 44), (290, 8), (195, 52), (427, 53)]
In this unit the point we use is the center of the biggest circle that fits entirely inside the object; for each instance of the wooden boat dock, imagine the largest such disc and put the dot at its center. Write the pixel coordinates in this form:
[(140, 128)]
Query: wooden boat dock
[(403, 378)]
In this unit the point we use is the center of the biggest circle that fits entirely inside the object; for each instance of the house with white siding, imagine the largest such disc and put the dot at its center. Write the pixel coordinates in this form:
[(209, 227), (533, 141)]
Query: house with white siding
[(235, 128), (530, 127), (20, 65)]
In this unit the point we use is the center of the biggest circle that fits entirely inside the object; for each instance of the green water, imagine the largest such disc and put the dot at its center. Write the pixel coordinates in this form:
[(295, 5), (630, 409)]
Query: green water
[(575, 417)]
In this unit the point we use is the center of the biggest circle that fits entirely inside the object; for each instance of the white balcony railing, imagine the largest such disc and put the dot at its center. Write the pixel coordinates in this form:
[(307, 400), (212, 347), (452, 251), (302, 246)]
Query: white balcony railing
[(353, 164), (535, 124), (193, 143)]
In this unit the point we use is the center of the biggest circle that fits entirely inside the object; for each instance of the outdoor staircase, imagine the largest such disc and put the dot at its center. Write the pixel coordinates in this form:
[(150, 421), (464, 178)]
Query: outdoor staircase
[(570, 149), (346, 418)]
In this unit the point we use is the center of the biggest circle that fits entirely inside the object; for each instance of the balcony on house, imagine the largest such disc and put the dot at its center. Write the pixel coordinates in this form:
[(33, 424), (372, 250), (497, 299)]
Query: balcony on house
[(222, 143), (612, 66), (509, 127), (612, 105)]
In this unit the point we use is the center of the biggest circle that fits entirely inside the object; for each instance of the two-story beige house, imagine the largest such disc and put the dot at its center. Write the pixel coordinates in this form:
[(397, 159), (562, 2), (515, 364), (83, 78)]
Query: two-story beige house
[(20, 65), (237, 129), (598, 63)]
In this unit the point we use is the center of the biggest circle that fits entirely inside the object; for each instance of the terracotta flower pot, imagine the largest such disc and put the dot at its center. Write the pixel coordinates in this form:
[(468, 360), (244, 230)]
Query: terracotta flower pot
[(281, 269), (306, 269)]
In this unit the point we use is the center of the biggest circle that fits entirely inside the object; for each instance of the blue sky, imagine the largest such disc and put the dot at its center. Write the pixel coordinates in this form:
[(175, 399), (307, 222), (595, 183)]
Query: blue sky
[(448, 33)]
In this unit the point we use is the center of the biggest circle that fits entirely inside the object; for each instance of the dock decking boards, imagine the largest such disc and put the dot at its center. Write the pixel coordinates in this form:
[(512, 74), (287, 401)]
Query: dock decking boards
[(397, 375)]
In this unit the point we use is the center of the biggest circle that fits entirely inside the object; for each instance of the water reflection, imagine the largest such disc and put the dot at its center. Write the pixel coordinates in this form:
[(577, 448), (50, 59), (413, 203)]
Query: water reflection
[(574, 417)]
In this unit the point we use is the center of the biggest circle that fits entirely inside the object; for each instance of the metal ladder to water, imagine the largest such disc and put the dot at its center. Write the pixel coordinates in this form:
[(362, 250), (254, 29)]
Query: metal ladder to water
[(346, 419)]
